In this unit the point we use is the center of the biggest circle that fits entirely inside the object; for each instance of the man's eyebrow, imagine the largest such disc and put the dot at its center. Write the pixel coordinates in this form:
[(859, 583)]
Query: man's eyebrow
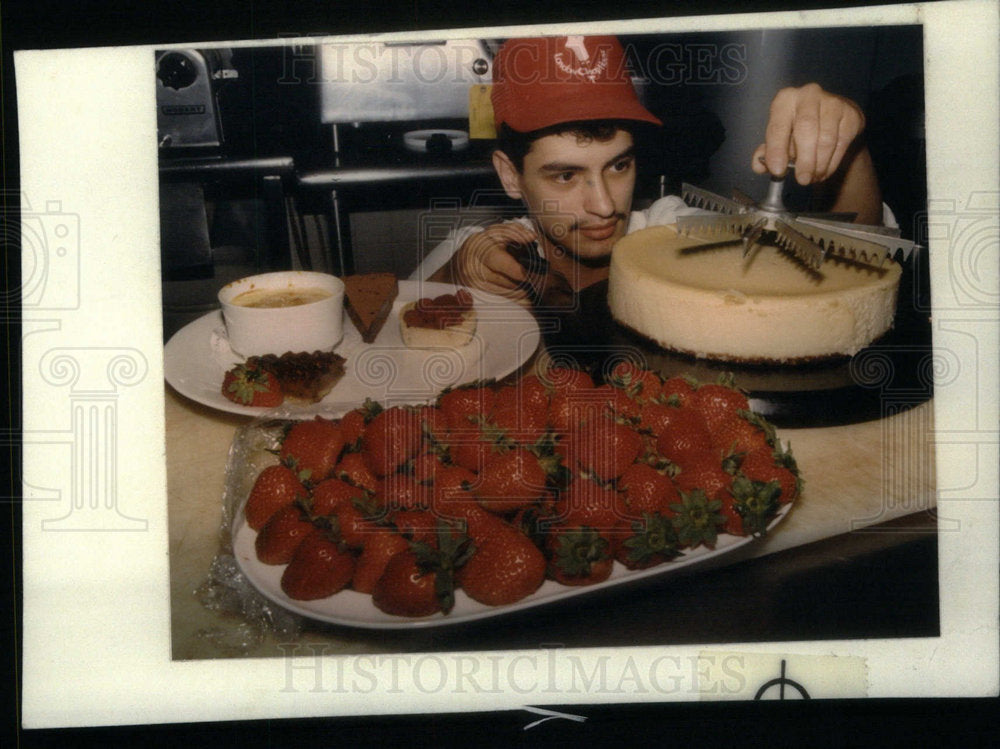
[(558, 166)]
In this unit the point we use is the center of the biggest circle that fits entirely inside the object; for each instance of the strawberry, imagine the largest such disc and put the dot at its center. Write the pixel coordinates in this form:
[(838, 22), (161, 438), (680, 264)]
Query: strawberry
[(569, 408), (460, 406), (459, 508), (718, 402), (557, 378), (646, 490), (684, 437), (534, 395), (318, 569), (312, 448), (704, 472), (453, 478), (586, 502), (426, 465), (401, 491), (638, 382), (734, 520), (510, 481), (328, 495), (654, 417), (281, 535), (503, 569), (604, 448), (697, 519), (755, 502), (738, 434), (653, 541), (618, 403), (515, 421), (379, 548), (404, 589), (578, 556), (391, 439), (764, 465), (354, 422), (434, 425), (416, 525), (353, 469), (421, 580), (677, 391), (252, 385), (472, 448), (355, 522), (275, 487)]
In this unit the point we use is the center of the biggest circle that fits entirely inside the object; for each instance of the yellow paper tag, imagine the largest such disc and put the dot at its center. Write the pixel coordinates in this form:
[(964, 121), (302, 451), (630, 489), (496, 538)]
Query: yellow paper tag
[(481, 112)]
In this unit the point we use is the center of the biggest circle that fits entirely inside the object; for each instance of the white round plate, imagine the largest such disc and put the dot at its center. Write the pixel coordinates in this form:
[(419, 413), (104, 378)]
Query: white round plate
[(197, 357)]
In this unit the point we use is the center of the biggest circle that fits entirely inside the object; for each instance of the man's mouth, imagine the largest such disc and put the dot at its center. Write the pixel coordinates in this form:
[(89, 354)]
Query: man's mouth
[(598, 232)]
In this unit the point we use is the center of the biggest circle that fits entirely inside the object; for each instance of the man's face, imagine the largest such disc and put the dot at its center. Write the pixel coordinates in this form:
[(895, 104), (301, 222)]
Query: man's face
[(579, 192)]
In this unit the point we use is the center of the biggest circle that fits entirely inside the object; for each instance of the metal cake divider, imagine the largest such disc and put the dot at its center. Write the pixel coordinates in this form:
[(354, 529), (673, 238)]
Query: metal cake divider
[(810, 237)]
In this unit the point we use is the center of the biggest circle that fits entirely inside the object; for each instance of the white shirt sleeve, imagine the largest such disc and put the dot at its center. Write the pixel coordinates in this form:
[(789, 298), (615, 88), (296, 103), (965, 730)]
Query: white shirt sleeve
[(666, 210), (441, 254)]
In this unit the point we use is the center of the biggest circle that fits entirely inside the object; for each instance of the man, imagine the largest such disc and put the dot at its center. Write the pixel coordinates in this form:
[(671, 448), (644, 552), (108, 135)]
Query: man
[(567, 116)]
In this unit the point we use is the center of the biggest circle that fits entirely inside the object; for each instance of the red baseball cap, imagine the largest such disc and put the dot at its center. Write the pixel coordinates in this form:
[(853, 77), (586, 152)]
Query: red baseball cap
[(544, 81)]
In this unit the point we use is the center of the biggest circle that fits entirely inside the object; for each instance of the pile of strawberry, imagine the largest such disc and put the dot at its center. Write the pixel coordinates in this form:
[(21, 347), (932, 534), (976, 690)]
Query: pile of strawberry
[(495, 488)]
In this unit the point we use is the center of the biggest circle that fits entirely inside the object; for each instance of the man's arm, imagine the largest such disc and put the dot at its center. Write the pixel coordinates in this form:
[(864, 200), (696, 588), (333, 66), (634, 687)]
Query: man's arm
[(821, 132), (483, 262)]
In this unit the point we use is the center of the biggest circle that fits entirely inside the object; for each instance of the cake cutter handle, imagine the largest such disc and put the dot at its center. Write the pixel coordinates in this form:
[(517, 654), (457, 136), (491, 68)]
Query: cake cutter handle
[(774, 202)]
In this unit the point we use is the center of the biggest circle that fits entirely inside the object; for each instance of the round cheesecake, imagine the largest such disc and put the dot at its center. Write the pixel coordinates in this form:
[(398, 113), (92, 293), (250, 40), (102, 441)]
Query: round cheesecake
[(714, 304)]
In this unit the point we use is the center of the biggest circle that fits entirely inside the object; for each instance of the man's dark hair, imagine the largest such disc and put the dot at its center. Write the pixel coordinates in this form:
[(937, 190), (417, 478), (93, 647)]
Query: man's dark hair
[(516, 144)]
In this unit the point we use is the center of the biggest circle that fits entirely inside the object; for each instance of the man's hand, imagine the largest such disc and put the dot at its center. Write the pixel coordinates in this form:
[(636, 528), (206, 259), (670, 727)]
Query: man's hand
[(811, 127), (483, 262)]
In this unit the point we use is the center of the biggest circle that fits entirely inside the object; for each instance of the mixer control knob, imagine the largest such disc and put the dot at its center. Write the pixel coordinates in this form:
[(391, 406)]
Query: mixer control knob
[(176, 70)]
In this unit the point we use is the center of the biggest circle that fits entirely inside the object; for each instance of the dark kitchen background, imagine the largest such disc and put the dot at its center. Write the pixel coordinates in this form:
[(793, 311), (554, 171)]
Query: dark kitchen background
[(356, 157)]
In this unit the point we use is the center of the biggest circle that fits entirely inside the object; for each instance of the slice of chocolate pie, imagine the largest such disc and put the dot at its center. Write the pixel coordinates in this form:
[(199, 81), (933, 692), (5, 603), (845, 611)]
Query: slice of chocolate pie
[(304, 377), (368, 298)]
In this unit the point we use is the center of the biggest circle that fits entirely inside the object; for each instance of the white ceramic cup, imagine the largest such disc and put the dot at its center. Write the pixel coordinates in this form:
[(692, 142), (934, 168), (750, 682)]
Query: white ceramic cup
[(314, 326)]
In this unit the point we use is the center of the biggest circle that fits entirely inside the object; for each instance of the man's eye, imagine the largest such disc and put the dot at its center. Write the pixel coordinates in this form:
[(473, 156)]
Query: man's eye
[(564, 177), (622, 166)]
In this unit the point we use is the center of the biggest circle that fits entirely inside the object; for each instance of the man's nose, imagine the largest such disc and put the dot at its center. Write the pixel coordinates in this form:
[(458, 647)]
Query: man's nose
[(597, 199)]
